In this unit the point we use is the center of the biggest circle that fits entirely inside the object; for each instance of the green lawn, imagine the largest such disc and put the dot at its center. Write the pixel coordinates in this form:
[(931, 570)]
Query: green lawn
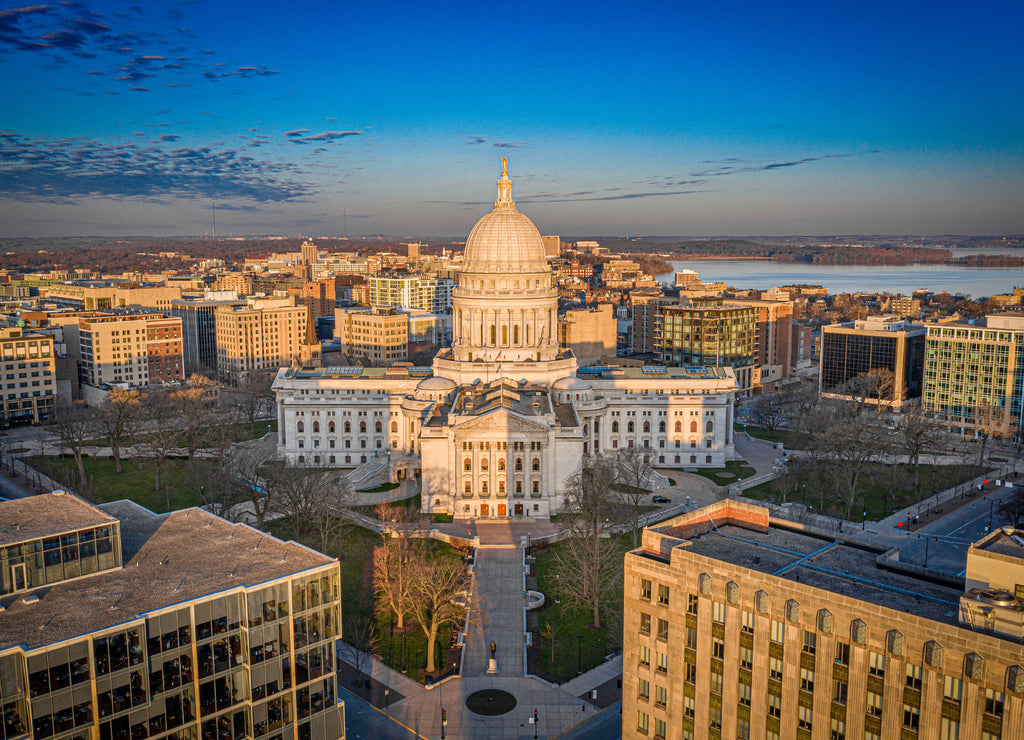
[(734, 470), (875, 490), (238, 432), (573, 652), (135, 483), (790, 440)]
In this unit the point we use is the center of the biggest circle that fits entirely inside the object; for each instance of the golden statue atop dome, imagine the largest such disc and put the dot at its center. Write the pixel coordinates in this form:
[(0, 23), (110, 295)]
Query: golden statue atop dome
[(504, 167)]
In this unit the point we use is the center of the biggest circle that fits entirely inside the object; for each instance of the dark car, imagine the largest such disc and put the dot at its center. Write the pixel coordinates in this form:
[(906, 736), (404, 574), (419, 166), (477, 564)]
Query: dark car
[(661, 499)]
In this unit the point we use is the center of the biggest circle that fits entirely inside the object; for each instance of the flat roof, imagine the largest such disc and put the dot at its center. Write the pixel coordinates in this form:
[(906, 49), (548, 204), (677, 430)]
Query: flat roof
[(47, 514), (169, 559), (357, 371), (830, 565), (1005, 541)]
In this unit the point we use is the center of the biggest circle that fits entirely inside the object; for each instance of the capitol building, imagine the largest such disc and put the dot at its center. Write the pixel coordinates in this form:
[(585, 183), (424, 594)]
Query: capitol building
[(502, 419)]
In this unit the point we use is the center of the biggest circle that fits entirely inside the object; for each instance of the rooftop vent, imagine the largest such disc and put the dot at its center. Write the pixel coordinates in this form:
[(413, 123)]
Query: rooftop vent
[(31, 599), (996, 597)]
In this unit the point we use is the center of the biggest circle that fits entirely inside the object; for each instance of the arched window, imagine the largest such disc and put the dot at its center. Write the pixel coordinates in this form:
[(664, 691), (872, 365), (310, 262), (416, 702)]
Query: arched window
[(693, 427), (300, 427), (316, 427), (519, 464), (348, 427), (379, 427), (501, 464), (709, 428), (629, 427), (493, 334), (394, 427), (483, 488), (467, 465), (330, 427), (483, 464), (647, 427), (515, 334), (362, 427), (536, 464), (501, 488), (661, 427), (679, 427), (615, 427), (504, 334), (467, 488)]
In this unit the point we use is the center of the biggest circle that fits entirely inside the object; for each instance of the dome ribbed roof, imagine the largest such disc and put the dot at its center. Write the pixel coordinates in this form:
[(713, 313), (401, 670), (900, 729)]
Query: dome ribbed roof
[(505, 240)]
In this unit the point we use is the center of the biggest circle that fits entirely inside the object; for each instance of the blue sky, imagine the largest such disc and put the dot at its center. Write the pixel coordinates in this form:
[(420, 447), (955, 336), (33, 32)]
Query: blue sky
[(628, 119)]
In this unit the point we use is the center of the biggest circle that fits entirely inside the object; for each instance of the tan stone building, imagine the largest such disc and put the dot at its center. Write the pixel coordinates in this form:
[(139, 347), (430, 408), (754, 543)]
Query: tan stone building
[(590, 332), (133, 349), (265, 334), (105, 297), (379, 335), (28, 376), (738, 625)]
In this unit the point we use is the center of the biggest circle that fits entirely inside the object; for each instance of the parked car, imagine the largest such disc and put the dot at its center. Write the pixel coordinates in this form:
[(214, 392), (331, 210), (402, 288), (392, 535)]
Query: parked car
[(661, 499)]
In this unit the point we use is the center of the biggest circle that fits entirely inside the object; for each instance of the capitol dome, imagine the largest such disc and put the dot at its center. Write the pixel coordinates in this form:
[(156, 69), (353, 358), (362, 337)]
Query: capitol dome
[(504, 241)]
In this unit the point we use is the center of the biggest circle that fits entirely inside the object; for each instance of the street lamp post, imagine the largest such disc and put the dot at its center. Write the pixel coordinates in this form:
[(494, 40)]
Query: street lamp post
[(579, 654), (558, 583), (864, 521)]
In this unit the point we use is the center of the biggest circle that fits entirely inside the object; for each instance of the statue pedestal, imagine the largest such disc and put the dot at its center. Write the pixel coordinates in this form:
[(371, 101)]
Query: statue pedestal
[(492, 666)]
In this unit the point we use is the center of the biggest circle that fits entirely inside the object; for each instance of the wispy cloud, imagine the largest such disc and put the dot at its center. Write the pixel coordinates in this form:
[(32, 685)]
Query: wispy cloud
[(511, 144), (730, 169), (476, 140), (58, 170)]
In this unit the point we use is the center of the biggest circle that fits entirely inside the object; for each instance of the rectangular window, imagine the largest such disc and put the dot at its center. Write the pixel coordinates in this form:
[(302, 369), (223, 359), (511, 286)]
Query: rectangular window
[(644, 689), (810, 642), (745, 694), (645, 655), (778, 632), (949, 729), (662, 666), (913, 676), (691, 603), (843, 653), (689, 706), (659, 727), (839, 691), (663, 629), (718, 648), (775, 668), (911, 717), (642, 722), (660, 696), (994, 702), (747, 622), (718, 612), (645, 589), (804, 717), (663, 594), (876, 664), (873, 705), (807, 679), (774, 705), (645, 623), (746, 657), (838, 729), (690, 673), (951, 688), (691, 638)]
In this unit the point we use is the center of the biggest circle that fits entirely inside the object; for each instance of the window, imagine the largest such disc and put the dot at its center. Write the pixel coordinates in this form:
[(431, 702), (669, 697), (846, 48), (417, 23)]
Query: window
[(838, 729), (746, 657), (744, 694), (645, 655), (810, 642), (873, 705), (690, 673), (691, 638), (876, 665), (663, 629), (718, 612), (718, 648), (691, 603), (807, 679), (536, 464), (689, 706), (774, 705), (645, 623), (645, 589), (949, 729), (775, 669), (952, 688), (843, 653), (742, 729), (911, 717), (644, 689), (994, 702), (642, 722), (660, 696), (663, 594), (804, 717), (715, 723), (662, 666), (778, 632), (839, 691), (659, 727), (747, 622), (913, 676)]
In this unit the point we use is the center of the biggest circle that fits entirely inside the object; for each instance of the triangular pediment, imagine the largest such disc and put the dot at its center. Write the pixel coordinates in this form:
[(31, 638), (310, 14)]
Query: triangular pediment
[(500, 420)]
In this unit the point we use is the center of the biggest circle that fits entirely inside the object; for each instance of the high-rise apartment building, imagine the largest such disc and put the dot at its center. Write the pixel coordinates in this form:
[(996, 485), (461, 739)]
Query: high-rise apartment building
[(708, 332), (131, 349), (119, 623), (317, 295), (379, 335), (886, 350), (264, 334), (28, 376), (645, 307), (738, 625), (974, 374), (199, 328), (425, 292)]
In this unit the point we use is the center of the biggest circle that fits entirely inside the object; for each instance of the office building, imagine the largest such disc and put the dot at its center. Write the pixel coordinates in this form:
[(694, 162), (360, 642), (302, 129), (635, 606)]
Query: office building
[(425, 292), (738, 625), (590, 332), (135, 350), (28, 376), (120, 623), (708, 332), (199, 328), (379, 335), (974, 375), (264, 334)]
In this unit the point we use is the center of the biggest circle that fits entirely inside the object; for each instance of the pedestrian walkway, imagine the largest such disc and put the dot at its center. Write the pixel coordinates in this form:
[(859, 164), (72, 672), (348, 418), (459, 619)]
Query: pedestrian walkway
[(497, 612)]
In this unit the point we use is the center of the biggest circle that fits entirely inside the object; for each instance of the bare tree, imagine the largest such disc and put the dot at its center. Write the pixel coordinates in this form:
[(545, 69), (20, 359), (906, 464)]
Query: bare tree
[(255, 497), (195, 407), (392, 562), (632, 472), (74, 425), (215, 484), (768, 412), (160, 440), (588, 559), (437, 580), (1013, 507), (118, 420), (990, 421), (916, 432), (253, 397)]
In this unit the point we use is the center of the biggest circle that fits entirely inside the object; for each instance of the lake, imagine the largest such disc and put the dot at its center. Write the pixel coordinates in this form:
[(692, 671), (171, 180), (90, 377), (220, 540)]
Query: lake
[(977, 282)]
